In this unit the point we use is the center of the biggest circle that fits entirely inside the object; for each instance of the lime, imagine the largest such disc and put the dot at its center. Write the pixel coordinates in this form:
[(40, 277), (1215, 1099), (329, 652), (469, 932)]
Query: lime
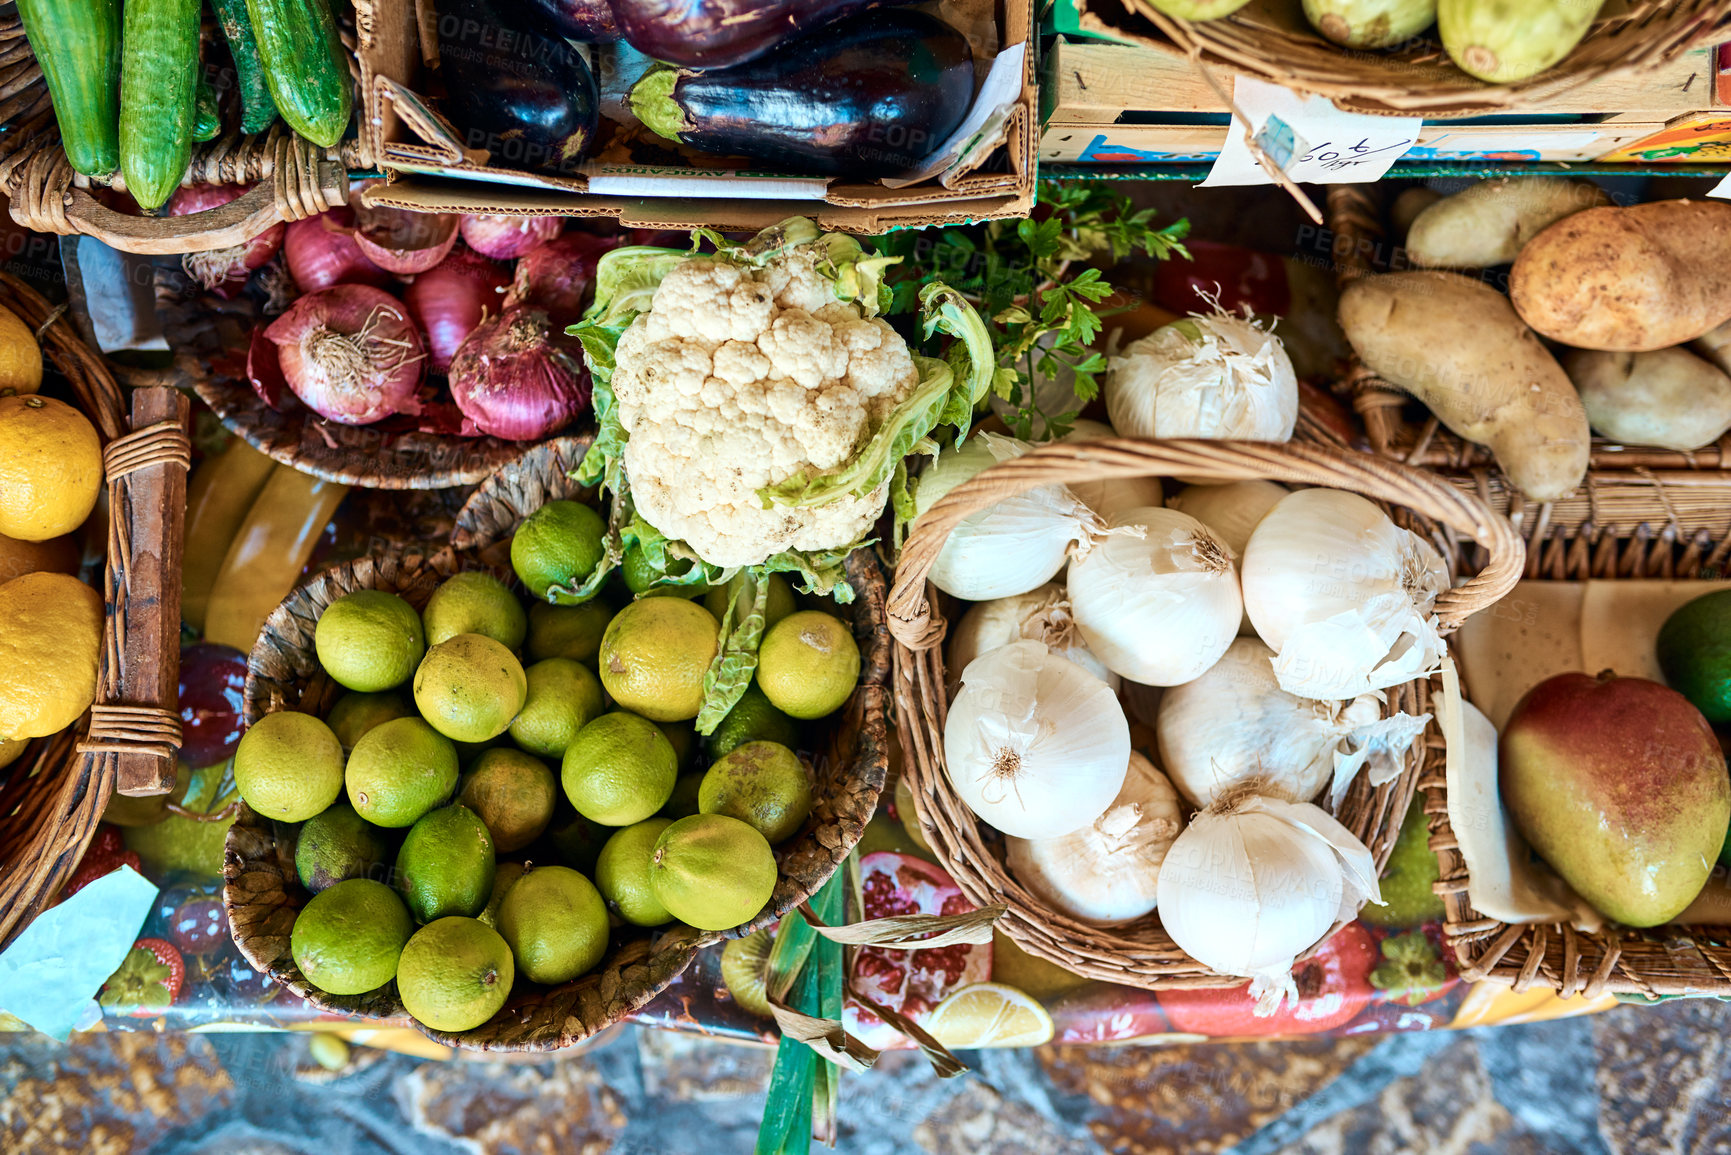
[(778, 603), (654, 655), (355, 714), (455, 974), (574, 840), (743, 965), (1694, 650), (622, 873), (505, 876), (470, 687), (446, 864), (640, 574), (567, 631), (369, 640), (563, 698), (475, 603), (682, 803), (808, 664), (513, 794), (619, 770), (763, 783), (556, 924), (289, 766), (682, 736), (752, 719), (399, 770), (346, 941), (712, 872), (990, 1015), (337, 845), (558, 544)]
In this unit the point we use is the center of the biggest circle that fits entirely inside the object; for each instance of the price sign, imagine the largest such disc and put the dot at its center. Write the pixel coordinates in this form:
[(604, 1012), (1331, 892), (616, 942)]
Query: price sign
[(1308, 139)]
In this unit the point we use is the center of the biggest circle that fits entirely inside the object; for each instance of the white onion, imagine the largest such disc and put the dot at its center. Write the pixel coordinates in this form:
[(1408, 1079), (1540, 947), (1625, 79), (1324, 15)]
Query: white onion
[(1231, 511), (1218, 377), (1114, 495), (1040, 615)]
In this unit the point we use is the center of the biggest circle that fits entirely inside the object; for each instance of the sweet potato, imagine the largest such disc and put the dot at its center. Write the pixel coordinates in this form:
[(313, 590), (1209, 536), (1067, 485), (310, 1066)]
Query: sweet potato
[(1488, 223), (1457, 345), (1633, 279), (1669, 397)]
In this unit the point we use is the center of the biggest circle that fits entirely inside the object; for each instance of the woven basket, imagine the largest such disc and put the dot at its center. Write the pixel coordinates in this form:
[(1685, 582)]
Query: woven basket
[(1141, 954), (1271, 40), (52, 797)]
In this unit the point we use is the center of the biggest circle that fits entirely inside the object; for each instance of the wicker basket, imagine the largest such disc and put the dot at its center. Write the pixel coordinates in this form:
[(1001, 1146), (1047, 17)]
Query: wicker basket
[(1271, 40), (1141, 954), (52, 797)]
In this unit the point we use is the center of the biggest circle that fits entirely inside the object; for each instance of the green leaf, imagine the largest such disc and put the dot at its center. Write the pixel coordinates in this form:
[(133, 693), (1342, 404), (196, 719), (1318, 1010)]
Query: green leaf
[(735, 659), (822, 572)]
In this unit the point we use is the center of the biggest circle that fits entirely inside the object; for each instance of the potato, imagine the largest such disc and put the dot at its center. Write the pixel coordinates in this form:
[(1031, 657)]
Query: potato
[(1407, 207), (1457, 345), (1669, 397), (1489, 222), (1715, 345), (1633, 279)]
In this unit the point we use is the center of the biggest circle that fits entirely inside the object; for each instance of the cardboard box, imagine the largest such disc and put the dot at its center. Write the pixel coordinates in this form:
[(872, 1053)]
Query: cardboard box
[(431, 170)]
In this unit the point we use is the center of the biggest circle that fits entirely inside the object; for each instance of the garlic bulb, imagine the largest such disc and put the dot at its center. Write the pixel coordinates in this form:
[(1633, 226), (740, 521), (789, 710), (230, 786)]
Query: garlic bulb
[(1116, 495), (1040, 615), (1035, 745), (1013, 546), (1235, 724), (1231, 511), (1106, 873), (1342, 595), (1159, 608), (1216, 376), (1253, 882)]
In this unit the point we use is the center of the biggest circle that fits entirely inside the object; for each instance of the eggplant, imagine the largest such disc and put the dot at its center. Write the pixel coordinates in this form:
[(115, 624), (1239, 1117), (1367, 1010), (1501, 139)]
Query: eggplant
[(590, 21), (869, 96), (526, 97), (723, 33)]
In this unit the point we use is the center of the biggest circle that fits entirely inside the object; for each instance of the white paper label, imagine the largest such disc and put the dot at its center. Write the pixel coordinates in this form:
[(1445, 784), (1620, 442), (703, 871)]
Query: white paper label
[(1722, 189), (1308, 138)]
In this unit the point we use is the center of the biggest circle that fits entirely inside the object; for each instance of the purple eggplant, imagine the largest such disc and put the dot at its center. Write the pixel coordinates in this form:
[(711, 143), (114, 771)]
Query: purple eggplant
[(868, 96), (590, 21), (723, 33)]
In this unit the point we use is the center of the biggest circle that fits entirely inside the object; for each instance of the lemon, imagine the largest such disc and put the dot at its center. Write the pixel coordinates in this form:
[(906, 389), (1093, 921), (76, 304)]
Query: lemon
[(20, 356), (567, 631), (289, 766), (752, 719), (654, 655), (514, 795), (712, 872), (50, 650), (808, 664), (11, 748), (399, 770), (560, 543), (455, 974), (347, 940), (762, 783), (990, 1015), (620, 769), (622, 873), (778, 603), (50, 468), (369, 640), (446, 864), (563, 698), (475, 603), (355, 714), (470, 687), (744, 962), (56, 555), (555, 923)]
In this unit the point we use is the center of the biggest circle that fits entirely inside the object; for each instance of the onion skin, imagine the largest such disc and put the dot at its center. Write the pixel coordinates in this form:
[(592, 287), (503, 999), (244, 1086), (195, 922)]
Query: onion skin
[(402, 242), (513, 380), (264, 372), (357, 322), (451, 299), (223, 271), (506, 237), (559, 276), (322, 251)]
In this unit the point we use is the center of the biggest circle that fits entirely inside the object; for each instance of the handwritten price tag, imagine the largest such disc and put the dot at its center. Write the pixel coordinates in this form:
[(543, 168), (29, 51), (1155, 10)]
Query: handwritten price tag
[(1308, 139)]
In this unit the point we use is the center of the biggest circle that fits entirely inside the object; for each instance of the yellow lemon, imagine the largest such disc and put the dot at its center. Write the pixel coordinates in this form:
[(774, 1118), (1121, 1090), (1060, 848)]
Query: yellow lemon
[(50, 644), (50, 467), (20, 356)]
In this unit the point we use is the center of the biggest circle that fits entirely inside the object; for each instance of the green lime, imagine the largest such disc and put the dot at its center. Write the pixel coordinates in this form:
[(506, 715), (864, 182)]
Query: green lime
[(1694, 650), (289, 766), (563, 698), (475, 603), (558, 544), (505, 875), (514, 795), (446, 864), (369, 640), (556, 924), (763, 783), (338, 844), (622, 873), (1407, 898), (455, 974), (178, 845), (682, 736), (682, 803), (712, 872), (744, 962), (328, 1051), (752, 719), (567, 631), (654, 655), (808, 664), (347, 940), (619, 770), (355, 714), (399, 770), (640, 574), (778, 604), (574, 840), (470, 687)]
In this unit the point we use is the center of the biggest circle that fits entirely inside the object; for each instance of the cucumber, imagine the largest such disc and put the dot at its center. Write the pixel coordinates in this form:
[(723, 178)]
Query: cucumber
[(304, 65), (207, 118), (158, 97), (257, 109), (77, 43)]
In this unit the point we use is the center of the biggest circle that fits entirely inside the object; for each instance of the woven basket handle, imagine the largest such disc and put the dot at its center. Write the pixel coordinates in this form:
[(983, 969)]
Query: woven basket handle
[(917, 625)]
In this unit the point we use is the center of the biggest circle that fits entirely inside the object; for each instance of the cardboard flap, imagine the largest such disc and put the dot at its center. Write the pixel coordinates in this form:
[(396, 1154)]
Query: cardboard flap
[(446, 143)]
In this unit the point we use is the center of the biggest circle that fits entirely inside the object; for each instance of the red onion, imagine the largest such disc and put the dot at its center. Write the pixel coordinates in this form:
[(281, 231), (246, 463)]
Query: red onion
[(322, 251), (448, 301), (558, 276), (503, 238), (264, 372), (350, 353), (514, 380), (223, 271), (403, 242)]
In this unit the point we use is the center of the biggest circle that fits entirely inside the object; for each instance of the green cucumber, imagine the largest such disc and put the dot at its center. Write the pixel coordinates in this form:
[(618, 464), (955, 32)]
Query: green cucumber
[(207, 118), (257, 109), (158, 97), (77, 43), (305, 66)]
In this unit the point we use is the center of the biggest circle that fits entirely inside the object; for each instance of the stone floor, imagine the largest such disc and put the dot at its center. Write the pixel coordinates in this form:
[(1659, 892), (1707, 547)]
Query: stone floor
[(1645, 1080)]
